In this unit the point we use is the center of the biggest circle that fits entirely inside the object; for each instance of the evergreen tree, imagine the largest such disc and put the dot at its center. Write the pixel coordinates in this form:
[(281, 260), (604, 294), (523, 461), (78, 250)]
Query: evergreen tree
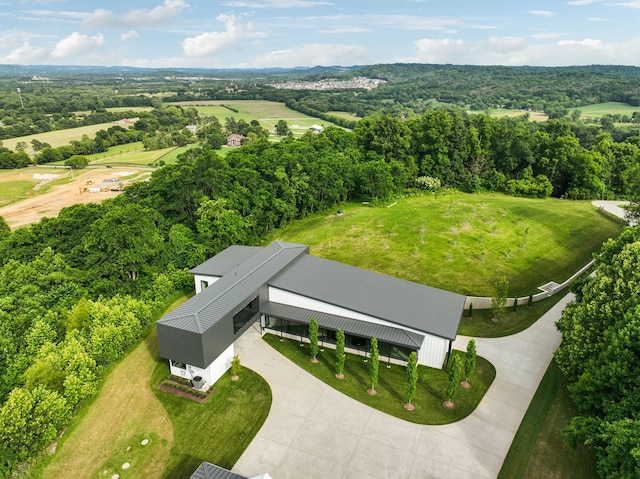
[(313, 339), (375, 360), (470, 360), (454, 380), (412, 378), (340, 353)]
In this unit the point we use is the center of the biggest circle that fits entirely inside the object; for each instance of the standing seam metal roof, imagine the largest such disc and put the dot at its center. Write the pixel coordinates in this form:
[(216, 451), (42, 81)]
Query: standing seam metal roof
[(423, 308), (206, 470), (363, 329), (231, 291)]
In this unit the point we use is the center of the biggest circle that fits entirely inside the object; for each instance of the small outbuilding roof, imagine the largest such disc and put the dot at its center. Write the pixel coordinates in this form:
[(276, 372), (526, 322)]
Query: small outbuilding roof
[(206, 470)]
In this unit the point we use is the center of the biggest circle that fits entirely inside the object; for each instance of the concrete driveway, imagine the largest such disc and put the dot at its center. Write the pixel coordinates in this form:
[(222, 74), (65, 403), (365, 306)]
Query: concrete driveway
[(315, 432)]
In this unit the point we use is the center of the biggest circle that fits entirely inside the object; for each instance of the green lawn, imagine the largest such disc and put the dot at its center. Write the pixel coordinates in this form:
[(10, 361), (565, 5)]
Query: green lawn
[(461, 242), (16, 190), (502, 112), (135, 157), (181, 433), (59, 137), (430, 394), (268, 113), (480, 325), (538, 450), (610, 108), (217, 431)]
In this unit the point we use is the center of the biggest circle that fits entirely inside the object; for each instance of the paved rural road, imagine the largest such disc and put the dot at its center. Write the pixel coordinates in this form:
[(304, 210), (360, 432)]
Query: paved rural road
[(313, 431)]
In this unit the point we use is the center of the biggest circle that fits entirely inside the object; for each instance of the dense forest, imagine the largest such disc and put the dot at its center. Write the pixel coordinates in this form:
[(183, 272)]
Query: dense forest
[(80, 289)]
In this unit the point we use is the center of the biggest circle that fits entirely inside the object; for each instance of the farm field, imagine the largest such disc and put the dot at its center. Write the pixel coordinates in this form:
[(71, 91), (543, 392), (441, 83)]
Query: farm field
[(611, 108), (56, 188), (502, 112), (461, 242), (344, 114), (266, 112), (59, 137)]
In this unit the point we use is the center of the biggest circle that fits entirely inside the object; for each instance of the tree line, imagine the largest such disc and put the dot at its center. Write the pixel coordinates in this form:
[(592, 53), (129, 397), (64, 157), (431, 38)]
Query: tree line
[(85, 284)]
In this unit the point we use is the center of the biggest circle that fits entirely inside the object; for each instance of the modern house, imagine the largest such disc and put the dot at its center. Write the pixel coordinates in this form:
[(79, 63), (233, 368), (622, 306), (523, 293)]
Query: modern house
[(235, 139), (282, 286)]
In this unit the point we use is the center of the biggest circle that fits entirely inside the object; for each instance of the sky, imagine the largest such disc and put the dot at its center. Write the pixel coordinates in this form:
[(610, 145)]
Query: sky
[(299, 33)]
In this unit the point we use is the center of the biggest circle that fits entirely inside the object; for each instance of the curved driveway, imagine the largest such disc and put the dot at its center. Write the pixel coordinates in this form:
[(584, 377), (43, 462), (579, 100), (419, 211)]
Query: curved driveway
[(313, 431)]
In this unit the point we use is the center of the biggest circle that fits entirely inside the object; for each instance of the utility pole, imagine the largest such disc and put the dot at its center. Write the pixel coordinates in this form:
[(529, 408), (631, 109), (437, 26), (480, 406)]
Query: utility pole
[(20, 95)]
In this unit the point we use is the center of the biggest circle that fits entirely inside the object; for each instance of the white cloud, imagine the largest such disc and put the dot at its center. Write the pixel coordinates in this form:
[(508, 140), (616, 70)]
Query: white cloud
[(129, 35), (629, 4), (516, 51), (439, 50), (136, 18), (597, 19), (275, 4), (312, 55), (546, 35), (346, 29), (541, 13), (210, 43), (578, 3), (76, 45), (25, 54)]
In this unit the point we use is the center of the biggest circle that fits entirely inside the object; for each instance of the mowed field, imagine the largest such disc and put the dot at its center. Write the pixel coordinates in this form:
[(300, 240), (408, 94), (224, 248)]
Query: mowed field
[(268, 113), (610, 108), (502, 112), (60, 137), (461, 242)]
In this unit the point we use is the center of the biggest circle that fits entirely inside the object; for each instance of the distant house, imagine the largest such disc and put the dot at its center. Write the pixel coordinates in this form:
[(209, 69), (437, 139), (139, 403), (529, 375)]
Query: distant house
[(235, 140), (192, 128), (281, 287), (316, 128)]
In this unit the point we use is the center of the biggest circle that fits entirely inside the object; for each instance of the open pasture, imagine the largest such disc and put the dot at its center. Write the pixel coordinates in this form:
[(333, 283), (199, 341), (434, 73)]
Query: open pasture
[(461, 242), (268, 113), (59, 137), (502, 112), (610, 108)]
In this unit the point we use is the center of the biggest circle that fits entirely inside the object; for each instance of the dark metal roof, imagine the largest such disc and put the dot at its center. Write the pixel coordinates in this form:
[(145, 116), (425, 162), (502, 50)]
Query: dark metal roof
[(405, 303), (226, 260), (363, 329), (206, 470), (231, 292)]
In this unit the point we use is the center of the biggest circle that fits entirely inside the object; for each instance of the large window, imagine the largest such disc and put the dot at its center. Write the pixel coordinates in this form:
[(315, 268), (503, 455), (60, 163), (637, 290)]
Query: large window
[(245, 315)]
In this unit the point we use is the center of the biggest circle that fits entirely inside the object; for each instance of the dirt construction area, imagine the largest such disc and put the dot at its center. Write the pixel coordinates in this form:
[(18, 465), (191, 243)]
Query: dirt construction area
[(86, 186)]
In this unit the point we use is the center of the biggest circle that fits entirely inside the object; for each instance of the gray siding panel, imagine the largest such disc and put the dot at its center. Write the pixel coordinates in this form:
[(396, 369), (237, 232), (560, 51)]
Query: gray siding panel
[(180, 345)]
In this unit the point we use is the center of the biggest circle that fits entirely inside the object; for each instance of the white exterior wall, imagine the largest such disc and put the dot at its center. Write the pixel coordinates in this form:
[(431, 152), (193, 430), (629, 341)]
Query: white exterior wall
[(431, 353), (212, 373), (200, 277)]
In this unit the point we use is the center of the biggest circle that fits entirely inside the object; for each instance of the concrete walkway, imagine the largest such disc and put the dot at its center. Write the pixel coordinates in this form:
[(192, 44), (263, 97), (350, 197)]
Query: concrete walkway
[(313, 431)]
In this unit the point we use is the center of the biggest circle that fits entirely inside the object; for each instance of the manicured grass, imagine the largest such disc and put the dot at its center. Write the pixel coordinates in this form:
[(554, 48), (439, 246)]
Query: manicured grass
[(480, 325), (16, 190), (217, 431), (430, 394), (538, 449), (461, 242), (181, 433), (171, 157), (59, 137), (610, 108)]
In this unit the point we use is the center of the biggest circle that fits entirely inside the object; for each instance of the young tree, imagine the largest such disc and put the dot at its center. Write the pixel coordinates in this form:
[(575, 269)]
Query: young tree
[(530, 301), (499, 298), (412, 380), (373, 367), (454, 381), (469, 362), (235, 368), (340, 353), (470, 315), (514, 306), (313, 339)]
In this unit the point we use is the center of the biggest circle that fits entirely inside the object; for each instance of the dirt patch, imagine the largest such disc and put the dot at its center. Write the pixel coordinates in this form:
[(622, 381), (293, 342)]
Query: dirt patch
[(49, 204)]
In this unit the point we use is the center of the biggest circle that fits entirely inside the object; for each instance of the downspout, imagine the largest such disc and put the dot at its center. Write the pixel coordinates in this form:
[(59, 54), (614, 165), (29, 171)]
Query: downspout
[(449, 354)]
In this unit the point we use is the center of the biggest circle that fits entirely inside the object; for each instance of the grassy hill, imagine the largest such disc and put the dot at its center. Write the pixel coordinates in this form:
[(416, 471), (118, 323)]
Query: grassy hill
[(461, 242)]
